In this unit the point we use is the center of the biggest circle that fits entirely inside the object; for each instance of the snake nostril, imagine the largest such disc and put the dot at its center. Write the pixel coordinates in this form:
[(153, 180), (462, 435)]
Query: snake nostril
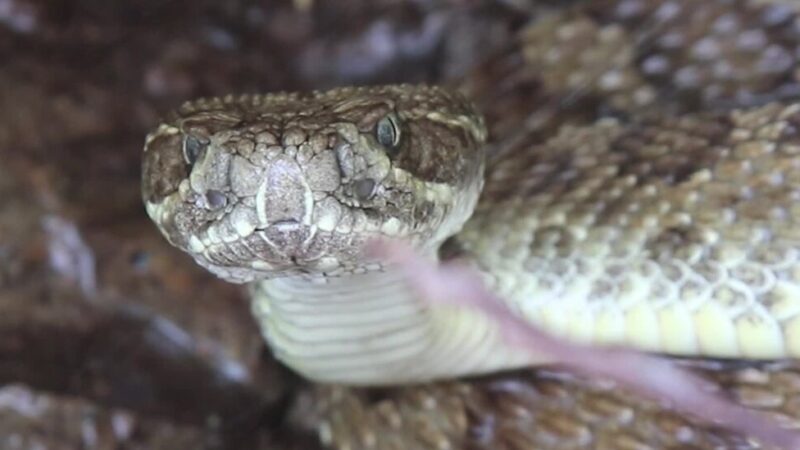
[(364, 189), (216, 199)]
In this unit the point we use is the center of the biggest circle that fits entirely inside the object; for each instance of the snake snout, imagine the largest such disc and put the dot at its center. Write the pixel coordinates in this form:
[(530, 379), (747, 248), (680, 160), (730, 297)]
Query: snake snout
[(289, 238), (284, 197)]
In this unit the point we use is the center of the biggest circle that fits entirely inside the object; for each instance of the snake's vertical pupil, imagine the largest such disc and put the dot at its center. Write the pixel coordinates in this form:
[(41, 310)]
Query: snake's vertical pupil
[(387, 132), (192, 147)]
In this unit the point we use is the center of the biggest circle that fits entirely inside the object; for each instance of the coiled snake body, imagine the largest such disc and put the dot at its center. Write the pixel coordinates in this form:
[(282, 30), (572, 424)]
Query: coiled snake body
[(672, 234)]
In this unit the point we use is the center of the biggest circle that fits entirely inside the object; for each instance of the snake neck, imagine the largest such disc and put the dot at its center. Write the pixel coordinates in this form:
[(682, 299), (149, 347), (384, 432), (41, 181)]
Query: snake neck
[(370, 329)]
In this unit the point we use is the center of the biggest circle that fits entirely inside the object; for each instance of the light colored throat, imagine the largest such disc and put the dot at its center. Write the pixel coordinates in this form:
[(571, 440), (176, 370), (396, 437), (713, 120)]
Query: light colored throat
[(370, 329)]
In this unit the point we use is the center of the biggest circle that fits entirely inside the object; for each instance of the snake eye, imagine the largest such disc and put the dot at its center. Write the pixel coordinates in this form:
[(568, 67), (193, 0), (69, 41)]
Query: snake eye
[(192, 148), (387, 132)]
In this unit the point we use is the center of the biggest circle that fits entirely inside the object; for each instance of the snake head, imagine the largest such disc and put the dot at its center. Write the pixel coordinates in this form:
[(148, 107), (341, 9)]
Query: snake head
[(257, 187)]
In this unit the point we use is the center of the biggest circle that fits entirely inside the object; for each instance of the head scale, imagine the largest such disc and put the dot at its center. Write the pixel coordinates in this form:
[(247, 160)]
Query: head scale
[(257, 187)]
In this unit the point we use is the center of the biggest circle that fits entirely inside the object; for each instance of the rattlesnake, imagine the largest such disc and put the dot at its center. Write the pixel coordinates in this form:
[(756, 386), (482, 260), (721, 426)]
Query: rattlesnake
[(670, 233)]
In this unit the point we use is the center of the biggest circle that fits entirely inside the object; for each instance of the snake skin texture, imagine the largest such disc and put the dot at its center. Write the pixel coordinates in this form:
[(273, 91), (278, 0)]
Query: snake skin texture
[(539, 409), (638, 111), (652, 61), (657, 234), (546, 409)]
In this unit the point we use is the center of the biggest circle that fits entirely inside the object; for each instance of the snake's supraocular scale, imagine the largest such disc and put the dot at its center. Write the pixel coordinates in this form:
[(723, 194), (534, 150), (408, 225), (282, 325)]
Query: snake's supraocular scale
[(666, 231)]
